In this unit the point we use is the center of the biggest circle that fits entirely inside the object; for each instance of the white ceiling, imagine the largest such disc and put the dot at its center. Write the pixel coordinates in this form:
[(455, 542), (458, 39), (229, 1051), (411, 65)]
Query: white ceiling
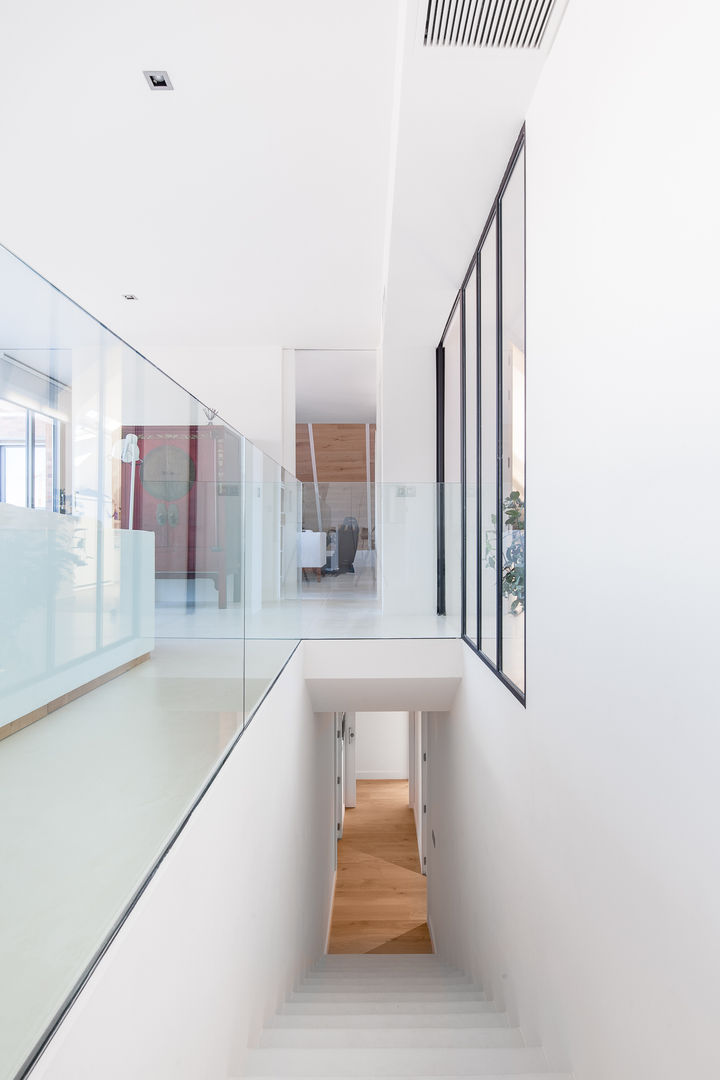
[(309, 155), (246, 207), (335, 387)]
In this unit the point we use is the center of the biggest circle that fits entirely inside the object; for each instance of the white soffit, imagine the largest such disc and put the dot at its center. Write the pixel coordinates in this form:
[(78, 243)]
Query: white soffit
[(461, 111), (245, 207), (335, 386), (378, 675)]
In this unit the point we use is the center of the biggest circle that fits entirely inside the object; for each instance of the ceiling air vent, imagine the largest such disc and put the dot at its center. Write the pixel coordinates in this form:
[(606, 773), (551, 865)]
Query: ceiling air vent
[(498, 24)]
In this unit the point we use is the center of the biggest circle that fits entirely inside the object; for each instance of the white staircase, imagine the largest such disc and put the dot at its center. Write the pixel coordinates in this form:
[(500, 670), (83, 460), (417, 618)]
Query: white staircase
[(401, 1016)]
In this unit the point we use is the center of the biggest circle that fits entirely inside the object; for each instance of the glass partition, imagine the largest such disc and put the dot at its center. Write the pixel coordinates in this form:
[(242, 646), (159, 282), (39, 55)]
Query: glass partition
[(452, 344), (512, 526), (488, 445), (485, 340), (374, 576), (122, 525), (470, 509), (151, 554)]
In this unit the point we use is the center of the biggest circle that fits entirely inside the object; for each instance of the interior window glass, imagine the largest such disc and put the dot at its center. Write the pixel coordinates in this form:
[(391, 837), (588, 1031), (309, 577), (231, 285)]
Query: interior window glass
[(512, 526)]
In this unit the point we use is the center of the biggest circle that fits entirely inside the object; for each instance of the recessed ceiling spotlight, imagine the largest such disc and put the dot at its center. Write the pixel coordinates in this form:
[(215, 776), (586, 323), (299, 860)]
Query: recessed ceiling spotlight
[(130, 296), (158, 80)]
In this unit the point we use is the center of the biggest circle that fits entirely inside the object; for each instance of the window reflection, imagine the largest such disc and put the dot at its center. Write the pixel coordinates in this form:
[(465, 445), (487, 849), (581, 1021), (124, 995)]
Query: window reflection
[(513, 419)]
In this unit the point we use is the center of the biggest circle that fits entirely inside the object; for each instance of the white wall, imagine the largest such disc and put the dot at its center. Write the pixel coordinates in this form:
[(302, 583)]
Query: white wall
[(575, 867), (236, 913), (381, 745)]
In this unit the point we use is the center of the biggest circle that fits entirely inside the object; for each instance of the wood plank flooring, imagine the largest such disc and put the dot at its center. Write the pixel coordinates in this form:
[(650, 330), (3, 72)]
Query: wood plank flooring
[(380, 895)]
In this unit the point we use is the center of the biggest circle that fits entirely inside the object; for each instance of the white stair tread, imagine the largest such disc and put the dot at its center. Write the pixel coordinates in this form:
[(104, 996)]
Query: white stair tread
[(418, 982), (386, 995), (391, 1061), (373, 974), (378, 961), (402, 1005), (386, 975), (437, 1076), (411, 1037), (385, 1019), (390, 959)]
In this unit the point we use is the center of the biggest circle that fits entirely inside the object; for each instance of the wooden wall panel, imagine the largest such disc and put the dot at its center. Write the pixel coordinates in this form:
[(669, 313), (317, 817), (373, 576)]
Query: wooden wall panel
[(340, 453), (303, 463)]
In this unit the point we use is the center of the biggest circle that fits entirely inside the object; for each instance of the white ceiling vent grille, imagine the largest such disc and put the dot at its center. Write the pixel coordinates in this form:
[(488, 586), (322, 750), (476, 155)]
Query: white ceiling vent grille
[(498, 24)]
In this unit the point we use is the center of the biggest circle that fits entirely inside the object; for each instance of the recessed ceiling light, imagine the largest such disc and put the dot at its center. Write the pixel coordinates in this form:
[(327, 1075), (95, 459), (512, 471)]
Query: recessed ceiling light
[(158, 80), (130, 296)]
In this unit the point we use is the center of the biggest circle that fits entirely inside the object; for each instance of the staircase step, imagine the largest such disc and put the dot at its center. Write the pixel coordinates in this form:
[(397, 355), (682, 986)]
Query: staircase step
[(354, 1007), (389, 982), (388, 959), (385, 1019), (383, 971), (411, 1036), (385, 995), (429, 1061), (376, 961)]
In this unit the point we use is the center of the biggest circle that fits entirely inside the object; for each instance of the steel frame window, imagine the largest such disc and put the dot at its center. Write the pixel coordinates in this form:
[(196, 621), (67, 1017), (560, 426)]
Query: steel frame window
[(494, 218)]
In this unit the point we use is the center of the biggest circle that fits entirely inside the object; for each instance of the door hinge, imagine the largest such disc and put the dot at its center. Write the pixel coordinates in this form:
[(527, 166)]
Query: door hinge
[(338, 779), (424, 757), (424, 860)]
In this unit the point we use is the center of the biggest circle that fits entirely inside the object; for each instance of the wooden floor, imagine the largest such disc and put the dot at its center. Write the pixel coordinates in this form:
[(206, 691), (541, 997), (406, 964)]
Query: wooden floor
[(380, 895)]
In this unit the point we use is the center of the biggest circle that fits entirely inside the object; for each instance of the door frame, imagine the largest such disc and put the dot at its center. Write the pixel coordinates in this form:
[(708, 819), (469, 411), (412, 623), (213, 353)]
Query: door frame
[(338, 762), (350, 773)]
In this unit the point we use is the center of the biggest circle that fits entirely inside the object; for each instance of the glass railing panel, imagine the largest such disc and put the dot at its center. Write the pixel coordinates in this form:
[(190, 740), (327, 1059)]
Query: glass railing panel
[(76, 787), (124, 510), (371, 569), (272, 615), (135, 521)]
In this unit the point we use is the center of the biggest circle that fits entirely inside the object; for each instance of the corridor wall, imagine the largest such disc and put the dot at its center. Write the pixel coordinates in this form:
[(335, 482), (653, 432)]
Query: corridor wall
[(572, 867)]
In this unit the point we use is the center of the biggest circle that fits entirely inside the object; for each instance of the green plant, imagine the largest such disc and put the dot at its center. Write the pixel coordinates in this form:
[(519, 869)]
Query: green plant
[(513, 558)]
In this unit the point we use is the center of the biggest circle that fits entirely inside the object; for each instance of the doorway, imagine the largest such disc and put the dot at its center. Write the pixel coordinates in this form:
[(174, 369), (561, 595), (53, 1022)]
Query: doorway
[(380, 903)]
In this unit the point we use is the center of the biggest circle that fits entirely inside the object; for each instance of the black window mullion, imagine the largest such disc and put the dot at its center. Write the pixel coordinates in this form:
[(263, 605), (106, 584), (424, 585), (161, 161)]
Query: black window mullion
[(478, 454), (440, 469), (499, 436), (463, 469)]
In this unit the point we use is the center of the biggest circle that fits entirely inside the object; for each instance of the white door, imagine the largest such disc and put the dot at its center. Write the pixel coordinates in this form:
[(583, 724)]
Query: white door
[(350, 766)]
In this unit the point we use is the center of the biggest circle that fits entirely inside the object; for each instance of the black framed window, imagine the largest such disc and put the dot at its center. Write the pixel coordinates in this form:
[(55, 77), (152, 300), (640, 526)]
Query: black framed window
[(490, 313)]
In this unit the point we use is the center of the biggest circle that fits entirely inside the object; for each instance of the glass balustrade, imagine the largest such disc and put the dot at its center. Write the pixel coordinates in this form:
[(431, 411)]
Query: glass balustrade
[(151, 553)]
